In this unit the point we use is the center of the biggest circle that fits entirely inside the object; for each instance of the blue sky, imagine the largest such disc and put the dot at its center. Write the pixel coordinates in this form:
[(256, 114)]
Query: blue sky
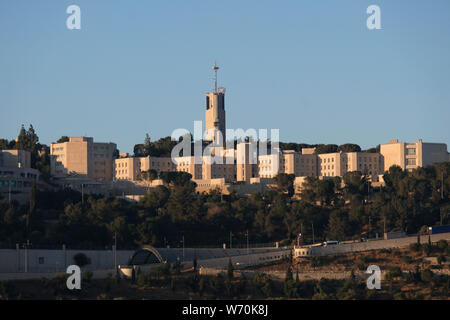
[(310, 68)]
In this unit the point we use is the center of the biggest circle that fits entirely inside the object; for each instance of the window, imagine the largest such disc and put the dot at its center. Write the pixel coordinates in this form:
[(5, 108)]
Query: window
[(411, 151), (41, 260), (411, 162)]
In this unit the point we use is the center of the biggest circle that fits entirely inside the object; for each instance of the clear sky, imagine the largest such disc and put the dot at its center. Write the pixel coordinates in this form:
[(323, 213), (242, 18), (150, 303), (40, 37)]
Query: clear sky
[(310, 68)]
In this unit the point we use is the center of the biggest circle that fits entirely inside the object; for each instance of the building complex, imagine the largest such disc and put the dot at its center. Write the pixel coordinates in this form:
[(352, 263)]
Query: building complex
[(98, 161)]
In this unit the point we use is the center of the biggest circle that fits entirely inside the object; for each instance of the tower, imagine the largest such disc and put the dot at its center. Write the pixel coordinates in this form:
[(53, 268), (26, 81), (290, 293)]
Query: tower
[(215, 112)]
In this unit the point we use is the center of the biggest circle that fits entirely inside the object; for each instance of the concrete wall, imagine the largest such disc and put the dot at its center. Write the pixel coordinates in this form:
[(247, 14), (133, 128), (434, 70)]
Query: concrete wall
[(51, 261), (246, 260), (366, 246), (57, 260), (15, 158)]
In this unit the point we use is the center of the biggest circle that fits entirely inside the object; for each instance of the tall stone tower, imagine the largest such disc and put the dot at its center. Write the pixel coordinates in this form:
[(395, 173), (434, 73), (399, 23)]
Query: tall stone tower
[(215, 112)]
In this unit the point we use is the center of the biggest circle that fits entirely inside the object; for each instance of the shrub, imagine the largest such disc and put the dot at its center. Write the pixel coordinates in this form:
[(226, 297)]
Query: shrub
[(394, 272), (315, 262), (361, 266), (426, 275), (267, 288), (399, 296), (230, 269), (407, 259), (427, 249), (192, 283), (397, 253), (442, 244), (217, 285), (7, 290), (363, 259), (415, 247), (201, 286), (372, 295), (263, 282), (81, 259), (441, 259), (86, 276), (163, 270)]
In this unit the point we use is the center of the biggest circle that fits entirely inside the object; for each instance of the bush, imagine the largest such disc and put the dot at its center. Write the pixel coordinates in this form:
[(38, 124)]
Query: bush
[(427, 275), (399, 296), (81, 259), (394, 272), (415, 247), (192, 283), (363, 259), (407, 259), (441, 259), (315, 262), (442, 244), (217, 285), (86, 276), (57, 283), (426, 248), (372, 295), (7, 290), (263, 282), (230, 269), (201, 286), (162, 270)]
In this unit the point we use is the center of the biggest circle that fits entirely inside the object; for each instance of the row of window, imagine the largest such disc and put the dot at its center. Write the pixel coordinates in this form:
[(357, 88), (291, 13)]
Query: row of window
[(411, 151), (14, 184)]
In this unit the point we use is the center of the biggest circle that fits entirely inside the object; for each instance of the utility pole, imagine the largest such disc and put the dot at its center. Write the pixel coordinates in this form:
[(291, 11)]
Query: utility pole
[(231, 243), (26, 245), (247, 240), (312, 223), (115, 250), (9, 193), (183, 245), (442, 195)]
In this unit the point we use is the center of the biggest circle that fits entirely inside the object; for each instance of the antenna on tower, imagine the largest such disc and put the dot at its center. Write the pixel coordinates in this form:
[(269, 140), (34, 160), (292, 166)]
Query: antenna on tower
[(215, 68)]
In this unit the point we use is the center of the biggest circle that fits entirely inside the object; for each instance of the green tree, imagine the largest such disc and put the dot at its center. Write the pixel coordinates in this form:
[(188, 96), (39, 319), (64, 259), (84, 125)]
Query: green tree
[(63, 139), (285, 183), (326, 148), (230, 269), (349, 147), (32, 208), (338, 225), (4, 144)]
